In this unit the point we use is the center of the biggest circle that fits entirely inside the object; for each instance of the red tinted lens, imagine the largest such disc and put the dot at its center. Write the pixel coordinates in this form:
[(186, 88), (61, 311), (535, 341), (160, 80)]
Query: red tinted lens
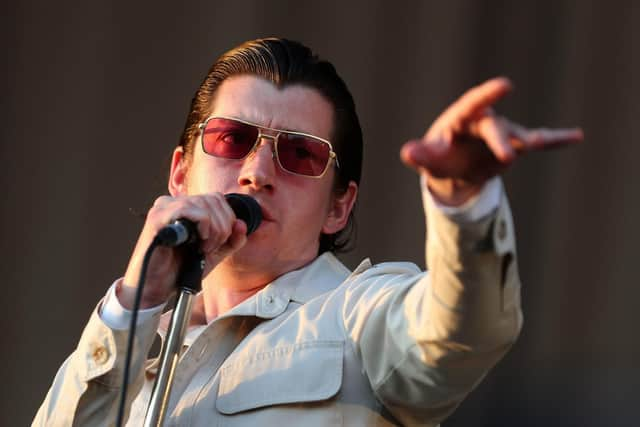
[(302, 155), (228, 139)]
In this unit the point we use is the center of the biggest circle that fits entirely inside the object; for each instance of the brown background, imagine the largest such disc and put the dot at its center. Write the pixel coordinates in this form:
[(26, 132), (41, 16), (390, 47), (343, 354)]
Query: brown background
[(95, 97)]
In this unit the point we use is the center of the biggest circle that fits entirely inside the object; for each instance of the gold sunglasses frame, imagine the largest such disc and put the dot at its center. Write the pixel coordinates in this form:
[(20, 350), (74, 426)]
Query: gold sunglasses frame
[(274, 150)]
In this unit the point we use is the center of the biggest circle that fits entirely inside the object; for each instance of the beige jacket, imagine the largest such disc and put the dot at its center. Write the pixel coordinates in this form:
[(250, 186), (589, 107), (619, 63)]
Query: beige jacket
[(323, 346)]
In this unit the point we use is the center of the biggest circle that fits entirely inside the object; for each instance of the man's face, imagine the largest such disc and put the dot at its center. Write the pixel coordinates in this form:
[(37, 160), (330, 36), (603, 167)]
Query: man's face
[(296, 208)]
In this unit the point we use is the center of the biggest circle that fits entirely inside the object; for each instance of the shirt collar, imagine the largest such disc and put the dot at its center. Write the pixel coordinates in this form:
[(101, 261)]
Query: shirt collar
[(321, 275)]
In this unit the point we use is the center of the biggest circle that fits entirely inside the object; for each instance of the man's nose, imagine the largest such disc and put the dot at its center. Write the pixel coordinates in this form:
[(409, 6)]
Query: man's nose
[(259, 168)]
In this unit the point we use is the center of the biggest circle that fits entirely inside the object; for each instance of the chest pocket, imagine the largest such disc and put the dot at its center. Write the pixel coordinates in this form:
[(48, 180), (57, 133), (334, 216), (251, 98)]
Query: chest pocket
[(303, 372)]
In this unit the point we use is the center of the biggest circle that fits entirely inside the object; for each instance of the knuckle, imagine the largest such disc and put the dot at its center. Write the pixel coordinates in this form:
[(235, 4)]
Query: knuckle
[(219, 198), (211, 200), (162, 201), (156, 213), (214, 196), (197, 200)]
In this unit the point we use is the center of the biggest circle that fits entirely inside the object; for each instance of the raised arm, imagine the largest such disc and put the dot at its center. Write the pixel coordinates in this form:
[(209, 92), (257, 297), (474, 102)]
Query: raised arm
[(425, 341)]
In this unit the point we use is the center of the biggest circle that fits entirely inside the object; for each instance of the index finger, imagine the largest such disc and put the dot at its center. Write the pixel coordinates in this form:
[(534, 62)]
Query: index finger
[(543, 138), (476, 101)]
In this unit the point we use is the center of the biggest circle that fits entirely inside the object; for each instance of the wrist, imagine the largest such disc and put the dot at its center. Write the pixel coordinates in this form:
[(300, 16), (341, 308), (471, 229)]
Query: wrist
[(126, 297), (452, 192)]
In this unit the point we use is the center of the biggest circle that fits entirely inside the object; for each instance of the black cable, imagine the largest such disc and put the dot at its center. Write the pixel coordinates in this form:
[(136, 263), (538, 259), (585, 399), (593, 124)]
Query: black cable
[(132, 330)]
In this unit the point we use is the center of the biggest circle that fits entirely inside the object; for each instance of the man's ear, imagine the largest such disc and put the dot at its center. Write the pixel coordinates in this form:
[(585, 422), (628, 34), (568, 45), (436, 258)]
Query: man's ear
[(340, 209), (178, 174)]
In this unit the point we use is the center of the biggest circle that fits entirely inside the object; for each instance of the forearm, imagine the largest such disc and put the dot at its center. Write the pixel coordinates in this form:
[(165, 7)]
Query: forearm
[(474, 284), (426, 340)]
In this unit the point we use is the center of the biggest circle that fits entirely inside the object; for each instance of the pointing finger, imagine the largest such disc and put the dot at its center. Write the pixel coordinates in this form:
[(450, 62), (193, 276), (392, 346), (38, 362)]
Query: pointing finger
[(475, 102), (543, 138)]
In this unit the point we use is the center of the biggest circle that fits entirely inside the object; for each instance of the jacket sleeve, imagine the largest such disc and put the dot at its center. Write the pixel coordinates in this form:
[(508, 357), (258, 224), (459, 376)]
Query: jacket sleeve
[(86, 389), (425, 340)]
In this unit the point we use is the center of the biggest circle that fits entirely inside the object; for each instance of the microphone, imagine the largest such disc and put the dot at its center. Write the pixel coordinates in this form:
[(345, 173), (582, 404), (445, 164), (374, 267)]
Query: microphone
[(184, 231)]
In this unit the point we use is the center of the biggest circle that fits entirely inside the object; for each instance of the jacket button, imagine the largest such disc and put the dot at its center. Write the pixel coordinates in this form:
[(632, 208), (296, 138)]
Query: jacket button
[(100, 355)]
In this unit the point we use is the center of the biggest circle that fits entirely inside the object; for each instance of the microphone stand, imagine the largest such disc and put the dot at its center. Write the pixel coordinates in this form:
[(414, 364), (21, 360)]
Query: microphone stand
[(189, 283)]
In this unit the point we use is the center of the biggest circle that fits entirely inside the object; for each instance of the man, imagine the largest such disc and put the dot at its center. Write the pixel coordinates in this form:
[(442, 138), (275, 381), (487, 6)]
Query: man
[(282, 332)]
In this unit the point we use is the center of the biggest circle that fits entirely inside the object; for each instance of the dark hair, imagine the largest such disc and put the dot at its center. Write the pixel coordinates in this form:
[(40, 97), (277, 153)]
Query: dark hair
[(285, 62)]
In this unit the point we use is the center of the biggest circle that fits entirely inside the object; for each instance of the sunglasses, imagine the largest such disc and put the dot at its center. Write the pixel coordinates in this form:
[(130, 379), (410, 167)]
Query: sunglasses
[(296, 152)]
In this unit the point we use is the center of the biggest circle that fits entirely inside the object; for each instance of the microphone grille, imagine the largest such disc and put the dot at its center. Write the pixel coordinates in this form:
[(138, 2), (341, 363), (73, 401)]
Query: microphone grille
[(245, 208)]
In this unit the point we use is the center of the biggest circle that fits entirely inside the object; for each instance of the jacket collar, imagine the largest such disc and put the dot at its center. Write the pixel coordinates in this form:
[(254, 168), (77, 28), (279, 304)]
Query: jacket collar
[(322, 275)]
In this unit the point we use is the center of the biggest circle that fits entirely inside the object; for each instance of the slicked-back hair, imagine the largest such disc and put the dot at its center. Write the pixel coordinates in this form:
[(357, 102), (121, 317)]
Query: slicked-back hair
[(284, 62)]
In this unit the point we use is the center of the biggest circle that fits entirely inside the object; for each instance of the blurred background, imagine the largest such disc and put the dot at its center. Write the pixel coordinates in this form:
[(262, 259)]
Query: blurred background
[(96, 94)]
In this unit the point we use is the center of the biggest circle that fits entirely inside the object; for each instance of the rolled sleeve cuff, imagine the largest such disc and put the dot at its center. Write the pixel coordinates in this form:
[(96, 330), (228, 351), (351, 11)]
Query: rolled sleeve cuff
[(115, 316), (477, 207)]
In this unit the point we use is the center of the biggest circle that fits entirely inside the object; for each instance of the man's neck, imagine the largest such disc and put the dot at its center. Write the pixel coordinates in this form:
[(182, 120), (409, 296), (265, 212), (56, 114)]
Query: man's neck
[(230, 284), (224, 288)]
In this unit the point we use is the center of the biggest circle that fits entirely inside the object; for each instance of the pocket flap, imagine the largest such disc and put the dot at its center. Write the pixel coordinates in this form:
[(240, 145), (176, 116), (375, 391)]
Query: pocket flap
[(302, 372)]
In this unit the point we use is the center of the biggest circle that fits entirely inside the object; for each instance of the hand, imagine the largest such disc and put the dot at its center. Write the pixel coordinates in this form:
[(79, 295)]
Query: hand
[(468, 144), (221, 234)]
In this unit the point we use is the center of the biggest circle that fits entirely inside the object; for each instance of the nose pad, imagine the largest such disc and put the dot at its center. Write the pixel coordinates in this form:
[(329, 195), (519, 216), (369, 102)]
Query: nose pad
[(258, 171), (258, 145)]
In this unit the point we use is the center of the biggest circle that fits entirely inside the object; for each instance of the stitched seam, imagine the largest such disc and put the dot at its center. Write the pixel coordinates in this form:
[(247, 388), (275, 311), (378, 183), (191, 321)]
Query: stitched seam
[(281, 351)]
